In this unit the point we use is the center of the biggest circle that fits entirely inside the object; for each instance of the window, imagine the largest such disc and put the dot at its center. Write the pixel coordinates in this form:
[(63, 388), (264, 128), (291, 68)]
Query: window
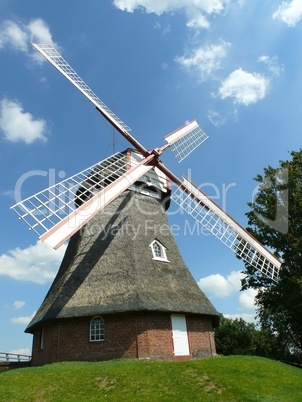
[(97, 329), (158, 251)]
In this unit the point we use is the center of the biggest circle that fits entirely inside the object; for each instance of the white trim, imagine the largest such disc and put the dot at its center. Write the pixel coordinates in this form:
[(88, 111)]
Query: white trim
[(180, 337), (100, 332), (162, 251), (181, 132)]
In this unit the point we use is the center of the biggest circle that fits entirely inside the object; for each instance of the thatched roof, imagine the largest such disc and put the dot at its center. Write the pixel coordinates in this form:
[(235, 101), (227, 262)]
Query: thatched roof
[(108, 267)]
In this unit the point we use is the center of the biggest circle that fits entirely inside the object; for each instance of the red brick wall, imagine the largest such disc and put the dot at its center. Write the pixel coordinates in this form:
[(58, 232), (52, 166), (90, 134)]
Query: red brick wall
[(126, 336), (201, 336)]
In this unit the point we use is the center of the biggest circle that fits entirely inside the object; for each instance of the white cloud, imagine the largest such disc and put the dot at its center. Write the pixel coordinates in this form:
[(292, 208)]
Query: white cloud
[(164, 6), (197, 21), (164, 29), (247, 299), (195, 9), (216, 118), (38, 263), (272, 63), (12, 35), (22, 351), (205, 59), (17, 35), (22, 320), (289, 12), (18, 304), (245, 316), (244, 87), (39, 31), (18, 125), (217, 285)]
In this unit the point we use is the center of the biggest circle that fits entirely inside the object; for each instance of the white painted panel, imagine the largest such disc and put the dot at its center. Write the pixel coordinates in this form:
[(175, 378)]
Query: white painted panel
[(180, 335), (177, 134)]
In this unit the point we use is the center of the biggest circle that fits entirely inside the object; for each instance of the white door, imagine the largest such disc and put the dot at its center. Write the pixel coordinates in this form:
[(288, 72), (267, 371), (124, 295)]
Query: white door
[(180, 335)]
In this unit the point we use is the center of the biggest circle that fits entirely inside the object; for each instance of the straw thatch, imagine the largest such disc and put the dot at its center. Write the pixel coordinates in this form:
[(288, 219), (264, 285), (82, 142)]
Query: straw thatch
[(108, 267)]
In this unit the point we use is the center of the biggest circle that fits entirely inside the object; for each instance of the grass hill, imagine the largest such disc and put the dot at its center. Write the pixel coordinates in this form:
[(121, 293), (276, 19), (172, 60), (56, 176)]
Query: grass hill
[(233, 378)]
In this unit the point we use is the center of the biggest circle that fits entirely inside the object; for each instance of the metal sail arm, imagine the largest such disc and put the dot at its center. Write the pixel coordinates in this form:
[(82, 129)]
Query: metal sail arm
[(226, 229), (136, 144), (54, 57)]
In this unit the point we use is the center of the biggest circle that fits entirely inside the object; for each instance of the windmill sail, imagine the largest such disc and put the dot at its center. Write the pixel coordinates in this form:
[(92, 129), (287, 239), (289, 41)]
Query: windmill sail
[(183, 140), (54, 57), (59, 211), (186, 139), (226, 229)]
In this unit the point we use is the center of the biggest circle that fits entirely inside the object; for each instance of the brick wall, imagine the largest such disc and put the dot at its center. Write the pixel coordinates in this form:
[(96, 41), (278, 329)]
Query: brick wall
[(126, 336), (201, 336)]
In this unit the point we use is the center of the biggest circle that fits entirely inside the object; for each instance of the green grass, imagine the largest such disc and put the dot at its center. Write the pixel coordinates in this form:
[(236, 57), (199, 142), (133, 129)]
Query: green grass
[(233, 378)]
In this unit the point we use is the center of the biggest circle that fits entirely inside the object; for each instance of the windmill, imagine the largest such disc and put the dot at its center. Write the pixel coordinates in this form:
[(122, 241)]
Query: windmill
[(99, 196)]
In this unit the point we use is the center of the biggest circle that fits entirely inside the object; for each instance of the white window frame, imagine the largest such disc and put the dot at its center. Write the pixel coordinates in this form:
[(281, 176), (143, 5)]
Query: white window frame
[(97, 331), (163, 254)]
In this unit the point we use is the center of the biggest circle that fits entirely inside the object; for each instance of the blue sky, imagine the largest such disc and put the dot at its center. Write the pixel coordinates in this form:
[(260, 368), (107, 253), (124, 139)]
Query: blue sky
[(235, 66)]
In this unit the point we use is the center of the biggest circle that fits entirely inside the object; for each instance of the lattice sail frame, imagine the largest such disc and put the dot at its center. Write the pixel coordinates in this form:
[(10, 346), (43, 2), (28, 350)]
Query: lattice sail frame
[(186, 140), (59, 211), (45, 209), (214, 219), (52, 55)]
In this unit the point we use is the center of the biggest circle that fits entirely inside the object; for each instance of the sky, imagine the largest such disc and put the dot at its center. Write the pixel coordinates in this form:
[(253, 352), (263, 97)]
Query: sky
[(234, 66)]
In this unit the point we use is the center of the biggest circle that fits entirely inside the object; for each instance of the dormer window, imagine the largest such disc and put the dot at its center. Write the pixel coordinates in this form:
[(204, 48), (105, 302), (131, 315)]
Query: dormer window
[(158, 251)]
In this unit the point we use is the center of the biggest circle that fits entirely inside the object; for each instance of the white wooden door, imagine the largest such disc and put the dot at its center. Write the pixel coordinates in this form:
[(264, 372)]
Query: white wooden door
[(180, 335)]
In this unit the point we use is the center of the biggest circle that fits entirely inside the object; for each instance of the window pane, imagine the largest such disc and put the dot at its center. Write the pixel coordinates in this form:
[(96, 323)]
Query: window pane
[(157, 250), (97, 329)]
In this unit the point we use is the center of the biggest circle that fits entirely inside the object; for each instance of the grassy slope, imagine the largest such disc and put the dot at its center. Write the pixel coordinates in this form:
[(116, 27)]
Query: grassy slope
[(234, 378)]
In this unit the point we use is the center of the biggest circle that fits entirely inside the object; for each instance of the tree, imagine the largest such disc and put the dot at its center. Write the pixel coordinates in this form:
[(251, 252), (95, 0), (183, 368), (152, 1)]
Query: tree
[(233, 337), (237, 337), (276, 220)]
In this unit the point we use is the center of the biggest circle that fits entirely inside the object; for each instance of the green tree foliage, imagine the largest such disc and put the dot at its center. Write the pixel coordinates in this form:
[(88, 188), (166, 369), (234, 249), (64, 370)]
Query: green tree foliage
[(276, 220), (233, 337), (237, 337)]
